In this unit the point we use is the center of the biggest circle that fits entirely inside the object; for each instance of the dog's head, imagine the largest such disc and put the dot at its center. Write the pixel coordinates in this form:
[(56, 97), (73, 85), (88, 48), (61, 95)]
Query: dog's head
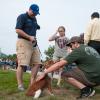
[(48, 63)]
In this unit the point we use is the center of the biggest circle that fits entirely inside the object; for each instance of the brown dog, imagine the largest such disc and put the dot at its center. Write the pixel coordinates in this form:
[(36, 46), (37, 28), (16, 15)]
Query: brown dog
[(41, 84), (54, 75)]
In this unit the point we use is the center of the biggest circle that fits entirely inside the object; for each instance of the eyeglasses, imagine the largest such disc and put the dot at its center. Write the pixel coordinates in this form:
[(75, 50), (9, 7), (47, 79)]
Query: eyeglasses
[(61, 31)]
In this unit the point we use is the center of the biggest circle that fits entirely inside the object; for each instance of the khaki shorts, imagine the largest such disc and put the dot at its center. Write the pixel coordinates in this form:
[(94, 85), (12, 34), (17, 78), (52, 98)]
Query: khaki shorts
[(78, 75), (26, 53)]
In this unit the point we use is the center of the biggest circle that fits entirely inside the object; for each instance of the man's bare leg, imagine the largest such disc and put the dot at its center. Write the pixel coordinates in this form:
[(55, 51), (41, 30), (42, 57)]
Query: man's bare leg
[(75, 83), (34, 71), (19, 75), (86, 91)]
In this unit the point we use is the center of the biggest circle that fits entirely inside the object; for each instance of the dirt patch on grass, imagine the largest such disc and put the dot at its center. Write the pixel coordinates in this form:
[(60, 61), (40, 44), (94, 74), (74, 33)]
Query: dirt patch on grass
[(60, 91)]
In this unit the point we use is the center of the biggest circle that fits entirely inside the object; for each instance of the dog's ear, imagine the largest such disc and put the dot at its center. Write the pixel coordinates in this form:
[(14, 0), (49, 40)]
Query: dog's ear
[(48, 63), (51, 62)]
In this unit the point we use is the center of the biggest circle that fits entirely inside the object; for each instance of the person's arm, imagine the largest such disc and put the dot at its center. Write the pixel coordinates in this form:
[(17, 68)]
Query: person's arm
[(24, 35), (53, 37), (56, 66), (87, 34), (52, 68)]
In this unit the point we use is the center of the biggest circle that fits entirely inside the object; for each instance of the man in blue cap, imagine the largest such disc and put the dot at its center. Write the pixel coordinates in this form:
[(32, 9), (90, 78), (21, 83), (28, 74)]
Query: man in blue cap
[(27, 51)]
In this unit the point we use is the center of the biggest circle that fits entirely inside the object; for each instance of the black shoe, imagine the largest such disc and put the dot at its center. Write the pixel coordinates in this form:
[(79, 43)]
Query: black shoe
[(86, 92)]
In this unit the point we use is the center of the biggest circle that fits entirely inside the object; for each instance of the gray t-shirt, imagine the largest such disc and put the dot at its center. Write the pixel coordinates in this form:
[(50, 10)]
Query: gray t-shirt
[(60, 46)]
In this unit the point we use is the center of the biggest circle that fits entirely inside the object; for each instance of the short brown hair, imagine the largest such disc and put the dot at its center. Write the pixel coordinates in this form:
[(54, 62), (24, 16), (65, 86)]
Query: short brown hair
[(74, 39)]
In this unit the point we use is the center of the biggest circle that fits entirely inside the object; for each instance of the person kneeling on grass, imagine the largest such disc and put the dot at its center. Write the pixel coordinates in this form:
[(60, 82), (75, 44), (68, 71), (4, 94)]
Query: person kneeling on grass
[(87, 73)]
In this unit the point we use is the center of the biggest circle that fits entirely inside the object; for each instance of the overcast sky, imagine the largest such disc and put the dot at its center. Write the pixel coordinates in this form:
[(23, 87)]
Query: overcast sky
[(73, 14)]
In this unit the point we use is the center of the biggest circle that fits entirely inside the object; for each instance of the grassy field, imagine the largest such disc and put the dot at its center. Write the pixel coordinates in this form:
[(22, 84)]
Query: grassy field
[(8, 89)]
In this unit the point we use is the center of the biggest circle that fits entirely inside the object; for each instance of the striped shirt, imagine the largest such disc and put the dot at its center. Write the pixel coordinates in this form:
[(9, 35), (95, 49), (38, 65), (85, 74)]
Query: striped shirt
[(60, 46)]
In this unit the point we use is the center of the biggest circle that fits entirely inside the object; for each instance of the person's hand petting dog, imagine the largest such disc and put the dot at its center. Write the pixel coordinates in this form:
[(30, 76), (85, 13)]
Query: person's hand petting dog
[(41, 76)]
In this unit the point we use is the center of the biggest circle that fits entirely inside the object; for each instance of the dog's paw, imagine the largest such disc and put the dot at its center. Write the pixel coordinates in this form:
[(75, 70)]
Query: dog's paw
[(37, 94)]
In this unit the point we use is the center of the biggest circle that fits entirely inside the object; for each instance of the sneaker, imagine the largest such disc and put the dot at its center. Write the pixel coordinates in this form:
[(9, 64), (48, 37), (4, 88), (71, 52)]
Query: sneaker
[(86, 92), (21, 88)]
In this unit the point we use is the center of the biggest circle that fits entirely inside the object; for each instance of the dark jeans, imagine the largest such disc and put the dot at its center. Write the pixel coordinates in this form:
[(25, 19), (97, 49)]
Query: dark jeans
[(95, 45)]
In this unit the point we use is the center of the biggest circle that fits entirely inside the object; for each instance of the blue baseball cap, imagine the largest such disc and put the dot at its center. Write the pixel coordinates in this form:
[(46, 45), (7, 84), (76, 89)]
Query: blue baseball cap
[(35, 9)]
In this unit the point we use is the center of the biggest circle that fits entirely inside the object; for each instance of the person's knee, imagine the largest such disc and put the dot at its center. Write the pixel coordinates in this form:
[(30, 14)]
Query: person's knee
[(37, 65), (70, 78), (19, 67), (24, 67)]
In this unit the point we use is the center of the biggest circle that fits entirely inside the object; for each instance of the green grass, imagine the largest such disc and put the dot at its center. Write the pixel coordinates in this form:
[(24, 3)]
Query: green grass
[(8, 89)]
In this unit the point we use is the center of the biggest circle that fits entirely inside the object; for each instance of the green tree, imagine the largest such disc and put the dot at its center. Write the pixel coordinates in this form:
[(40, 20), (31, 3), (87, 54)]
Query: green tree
[(49, 52), (2, 55), (12, 57)]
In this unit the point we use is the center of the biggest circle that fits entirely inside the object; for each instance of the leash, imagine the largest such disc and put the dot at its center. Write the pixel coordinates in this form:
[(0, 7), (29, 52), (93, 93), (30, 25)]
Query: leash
[(40, 52), (36, 44)]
